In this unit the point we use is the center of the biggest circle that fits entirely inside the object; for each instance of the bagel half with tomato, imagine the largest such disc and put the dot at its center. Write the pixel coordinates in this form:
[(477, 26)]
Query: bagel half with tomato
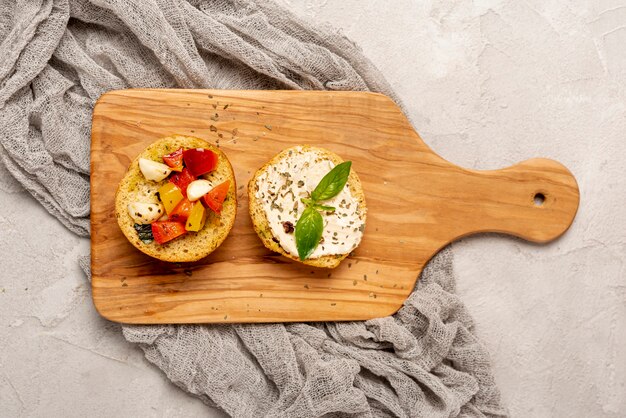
[(177, 201)]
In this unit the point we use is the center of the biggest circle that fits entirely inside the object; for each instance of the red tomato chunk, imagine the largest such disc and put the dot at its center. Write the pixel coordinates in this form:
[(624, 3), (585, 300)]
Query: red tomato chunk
[(200, 161), (181, 211), (214, 199), (182, 180), (174, 160), (166, 231)]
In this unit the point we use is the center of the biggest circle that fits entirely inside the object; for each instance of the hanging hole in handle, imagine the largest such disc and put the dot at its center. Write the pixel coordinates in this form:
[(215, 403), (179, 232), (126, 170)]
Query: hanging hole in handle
[(539, 199)]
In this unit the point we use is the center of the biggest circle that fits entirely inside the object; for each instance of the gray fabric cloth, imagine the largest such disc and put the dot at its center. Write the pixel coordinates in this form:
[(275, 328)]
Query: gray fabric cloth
[(59, 56)]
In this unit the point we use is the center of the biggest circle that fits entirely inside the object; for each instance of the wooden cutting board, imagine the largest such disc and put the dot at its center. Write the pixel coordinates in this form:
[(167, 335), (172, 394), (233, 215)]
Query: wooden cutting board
[(417, 203)]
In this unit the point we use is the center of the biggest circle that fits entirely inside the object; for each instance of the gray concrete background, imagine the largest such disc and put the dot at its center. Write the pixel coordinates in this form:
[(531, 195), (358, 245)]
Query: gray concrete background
[(487, 84)]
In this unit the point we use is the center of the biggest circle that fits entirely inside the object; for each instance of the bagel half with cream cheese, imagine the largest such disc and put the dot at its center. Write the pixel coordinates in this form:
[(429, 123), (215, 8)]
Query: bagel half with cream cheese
[(136, 190), (275, 193)]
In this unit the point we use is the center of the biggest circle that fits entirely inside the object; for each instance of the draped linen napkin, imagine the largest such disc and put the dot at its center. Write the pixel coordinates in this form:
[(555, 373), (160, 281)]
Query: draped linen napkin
[(59, 56)]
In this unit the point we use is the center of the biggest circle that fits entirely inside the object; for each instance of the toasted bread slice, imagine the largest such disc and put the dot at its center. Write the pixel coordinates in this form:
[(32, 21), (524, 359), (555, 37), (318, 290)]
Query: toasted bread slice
[(260, 219), (135, 188)]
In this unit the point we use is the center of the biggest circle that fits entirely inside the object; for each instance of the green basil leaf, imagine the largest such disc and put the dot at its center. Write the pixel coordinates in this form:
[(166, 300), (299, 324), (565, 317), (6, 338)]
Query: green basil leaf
[(332, 183), (309, 230), (144, 232), (307, 201)]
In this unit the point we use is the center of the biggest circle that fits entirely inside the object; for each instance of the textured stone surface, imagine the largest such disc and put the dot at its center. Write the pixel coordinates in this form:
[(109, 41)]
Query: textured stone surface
[(486, 83)]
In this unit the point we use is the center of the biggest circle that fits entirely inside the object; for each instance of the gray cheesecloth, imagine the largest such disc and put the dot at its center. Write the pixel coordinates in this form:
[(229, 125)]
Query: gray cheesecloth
[(59, 56)]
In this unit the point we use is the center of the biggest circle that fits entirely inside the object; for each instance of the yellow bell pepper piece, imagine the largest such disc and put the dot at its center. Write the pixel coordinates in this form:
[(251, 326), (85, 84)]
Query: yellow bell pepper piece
[(170, 196), (197, 217)]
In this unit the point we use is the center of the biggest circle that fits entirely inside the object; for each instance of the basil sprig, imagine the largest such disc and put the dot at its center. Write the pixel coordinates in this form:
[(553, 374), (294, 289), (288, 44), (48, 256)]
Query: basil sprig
[(310, 226)]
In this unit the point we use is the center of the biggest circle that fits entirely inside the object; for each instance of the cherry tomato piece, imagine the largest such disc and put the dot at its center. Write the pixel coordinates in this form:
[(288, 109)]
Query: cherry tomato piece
[(174, 160), (214, 199), (200, 161), (182, 180), (181, 211), (164, 231)]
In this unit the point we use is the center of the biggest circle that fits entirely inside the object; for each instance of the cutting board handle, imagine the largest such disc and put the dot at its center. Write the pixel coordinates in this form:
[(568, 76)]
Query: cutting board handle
[(535, 200)]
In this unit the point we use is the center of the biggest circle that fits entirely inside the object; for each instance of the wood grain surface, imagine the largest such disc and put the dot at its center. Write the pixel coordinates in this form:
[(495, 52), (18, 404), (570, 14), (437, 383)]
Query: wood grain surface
[(417, 203)]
